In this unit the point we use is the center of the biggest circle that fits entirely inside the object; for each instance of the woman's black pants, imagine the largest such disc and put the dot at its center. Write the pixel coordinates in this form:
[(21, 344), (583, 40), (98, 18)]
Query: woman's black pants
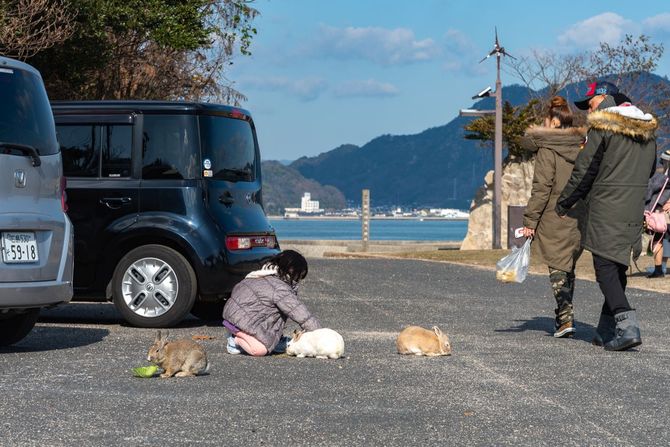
[(611, 277)]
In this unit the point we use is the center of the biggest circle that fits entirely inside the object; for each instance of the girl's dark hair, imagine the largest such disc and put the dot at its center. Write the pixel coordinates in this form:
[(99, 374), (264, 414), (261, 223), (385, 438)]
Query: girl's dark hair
[(291, 266), (559, 109)]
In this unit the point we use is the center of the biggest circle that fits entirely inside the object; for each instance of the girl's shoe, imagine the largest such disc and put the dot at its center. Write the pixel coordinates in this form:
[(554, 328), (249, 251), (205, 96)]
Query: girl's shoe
[(232, 347)]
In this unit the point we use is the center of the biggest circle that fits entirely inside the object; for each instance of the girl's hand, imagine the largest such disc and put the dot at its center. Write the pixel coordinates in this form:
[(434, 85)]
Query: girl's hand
[(666, 206), (528, 232)]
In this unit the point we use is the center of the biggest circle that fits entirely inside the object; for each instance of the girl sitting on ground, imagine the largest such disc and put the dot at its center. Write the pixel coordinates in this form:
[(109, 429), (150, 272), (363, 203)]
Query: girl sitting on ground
[(259, 306)]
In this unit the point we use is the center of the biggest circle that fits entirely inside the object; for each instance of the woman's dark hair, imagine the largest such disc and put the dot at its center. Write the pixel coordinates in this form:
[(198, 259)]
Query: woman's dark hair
[(559, 109), (291, 266)]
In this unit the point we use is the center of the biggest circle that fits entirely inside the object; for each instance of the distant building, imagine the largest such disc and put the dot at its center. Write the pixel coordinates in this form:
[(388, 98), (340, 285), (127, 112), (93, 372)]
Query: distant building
[(308, 207), (449, 213)]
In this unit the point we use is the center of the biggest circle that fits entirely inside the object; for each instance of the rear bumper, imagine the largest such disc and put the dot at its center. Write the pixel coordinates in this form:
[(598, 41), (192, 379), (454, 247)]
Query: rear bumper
[(218, 279), (24, 294), (34, 294)]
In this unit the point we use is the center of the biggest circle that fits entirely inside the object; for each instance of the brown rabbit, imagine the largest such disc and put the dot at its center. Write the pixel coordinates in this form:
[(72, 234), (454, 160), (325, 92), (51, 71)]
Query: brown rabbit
[(181, 358), (419, 341)]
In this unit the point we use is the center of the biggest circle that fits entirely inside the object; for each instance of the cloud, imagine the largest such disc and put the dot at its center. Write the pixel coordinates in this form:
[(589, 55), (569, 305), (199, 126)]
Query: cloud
[(366, 88), (657, 25), (307, 89), (381, 46), (606, 27), (461, 54)]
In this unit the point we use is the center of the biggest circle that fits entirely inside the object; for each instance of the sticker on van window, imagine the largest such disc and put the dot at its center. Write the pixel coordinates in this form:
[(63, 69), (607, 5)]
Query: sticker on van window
[(207, 173), (207, 163), (6, 70)]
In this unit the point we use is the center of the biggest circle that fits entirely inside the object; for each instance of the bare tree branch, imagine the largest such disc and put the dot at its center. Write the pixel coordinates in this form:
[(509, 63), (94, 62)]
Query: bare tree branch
[(30, 26)]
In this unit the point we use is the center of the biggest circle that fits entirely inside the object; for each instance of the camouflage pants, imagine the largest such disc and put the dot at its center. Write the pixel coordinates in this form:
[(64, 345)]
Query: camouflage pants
[(563, 286)]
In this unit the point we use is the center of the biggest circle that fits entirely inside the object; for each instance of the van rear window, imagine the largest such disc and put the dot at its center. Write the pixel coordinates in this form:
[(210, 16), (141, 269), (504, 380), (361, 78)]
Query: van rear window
[(228, 148), (25, 113)]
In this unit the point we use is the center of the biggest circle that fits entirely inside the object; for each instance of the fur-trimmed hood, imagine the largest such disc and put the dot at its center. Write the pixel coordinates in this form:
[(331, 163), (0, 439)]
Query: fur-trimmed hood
[(624, 121), (565, 142)]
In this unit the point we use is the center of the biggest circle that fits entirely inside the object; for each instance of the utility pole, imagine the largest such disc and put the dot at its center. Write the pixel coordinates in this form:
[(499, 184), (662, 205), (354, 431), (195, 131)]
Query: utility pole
[(497, 158), (498, 52)]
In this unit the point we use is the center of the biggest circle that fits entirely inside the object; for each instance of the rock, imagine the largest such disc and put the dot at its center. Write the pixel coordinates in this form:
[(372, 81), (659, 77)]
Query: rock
[(517, 181)]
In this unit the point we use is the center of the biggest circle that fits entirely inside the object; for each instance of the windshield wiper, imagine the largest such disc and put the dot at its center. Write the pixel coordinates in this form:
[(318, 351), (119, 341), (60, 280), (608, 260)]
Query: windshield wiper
[(24, 149), (240, 172)]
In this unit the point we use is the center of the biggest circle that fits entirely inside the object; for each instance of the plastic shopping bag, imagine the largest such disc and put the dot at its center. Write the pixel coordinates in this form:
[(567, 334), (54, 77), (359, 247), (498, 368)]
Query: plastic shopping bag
[(514, 266)]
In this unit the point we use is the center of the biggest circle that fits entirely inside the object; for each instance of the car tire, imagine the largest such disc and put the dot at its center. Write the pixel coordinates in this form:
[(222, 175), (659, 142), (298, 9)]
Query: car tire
[(208, 310), (16, 327), (154, 286)]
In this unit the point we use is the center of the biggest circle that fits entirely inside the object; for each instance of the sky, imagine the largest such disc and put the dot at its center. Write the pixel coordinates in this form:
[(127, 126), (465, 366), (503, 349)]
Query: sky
[(329, 72)]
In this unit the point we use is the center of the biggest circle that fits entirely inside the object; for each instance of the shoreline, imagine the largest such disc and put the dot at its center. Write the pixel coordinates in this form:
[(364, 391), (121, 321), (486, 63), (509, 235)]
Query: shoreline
[(456, 219)]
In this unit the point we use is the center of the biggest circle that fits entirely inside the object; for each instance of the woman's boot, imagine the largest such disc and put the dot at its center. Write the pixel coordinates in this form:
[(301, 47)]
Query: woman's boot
[(565, 321), (627, 333), (605, 330), (563, 286)]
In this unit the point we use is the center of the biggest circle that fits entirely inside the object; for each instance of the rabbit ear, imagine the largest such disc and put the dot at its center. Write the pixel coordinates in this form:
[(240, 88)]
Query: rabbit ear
[(437, 331), (297, 334), (158, 337), (166, 335)]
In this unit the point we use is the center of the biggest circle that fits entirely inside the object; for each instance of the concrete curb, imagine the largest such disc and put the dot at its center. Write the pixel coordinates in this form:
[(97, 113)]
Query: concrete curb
[(318, 248)]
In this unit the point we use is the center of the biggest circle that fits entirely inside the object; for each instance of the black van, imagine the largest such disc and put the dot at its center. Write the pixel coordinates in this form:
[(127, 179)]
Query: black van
[(166, 202)]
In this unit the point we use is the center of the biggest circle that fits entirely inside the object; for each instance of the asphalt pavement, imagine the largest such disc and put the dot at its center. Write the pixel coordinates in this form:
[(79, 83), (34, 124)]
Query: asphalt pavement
[(508, 382)]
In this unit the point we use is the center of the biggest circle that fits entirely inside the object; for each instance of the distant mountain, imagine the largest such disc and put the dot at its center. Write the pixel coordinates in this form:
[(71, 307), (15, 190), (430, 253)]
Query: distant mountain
[(437, 167), (283, 186)]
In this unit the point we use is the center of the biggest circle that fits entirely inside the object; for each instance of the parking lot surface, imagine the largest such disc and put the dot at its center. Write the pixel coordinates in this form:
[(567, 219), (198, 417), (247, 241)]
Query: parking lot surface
[(508, 382)]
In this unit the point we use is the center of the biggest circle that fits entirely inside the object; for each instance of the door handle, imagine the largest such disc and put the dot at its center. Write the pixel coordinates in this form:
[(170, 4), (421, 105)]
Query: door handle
[(114, 203), (226, 198)]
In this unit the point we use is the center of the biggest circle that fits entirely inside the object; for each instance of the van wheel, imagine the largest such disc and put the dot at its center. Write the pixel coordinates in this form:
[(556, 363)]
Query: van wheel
[(154, 286), (16, 327), (208, 310)]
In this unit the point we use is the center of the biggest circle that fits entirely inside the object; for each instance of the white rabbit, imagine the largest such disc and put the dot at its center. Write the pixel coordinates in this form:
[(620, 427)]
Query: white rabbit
[(321, 343)]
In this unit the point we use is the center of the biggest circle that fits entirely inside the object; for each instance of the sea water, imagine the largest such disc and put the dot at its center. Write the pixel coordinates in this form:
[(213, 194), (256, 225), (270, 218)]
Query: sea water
[(380, 229)]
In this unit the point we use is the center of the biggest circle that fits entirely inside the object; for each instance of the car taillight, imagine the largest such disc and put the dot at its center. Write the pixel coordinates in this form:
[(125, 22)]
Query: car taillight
[(248, 242), (63, 194), (237, 114)]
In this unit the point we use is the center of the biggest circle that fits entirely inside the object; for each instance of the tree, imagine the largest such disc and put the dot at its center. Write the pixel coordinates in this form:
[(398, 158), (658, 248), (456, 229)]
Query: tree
[(149, 49), (515, 122), (30, 26), (546, 73), (628, 65)]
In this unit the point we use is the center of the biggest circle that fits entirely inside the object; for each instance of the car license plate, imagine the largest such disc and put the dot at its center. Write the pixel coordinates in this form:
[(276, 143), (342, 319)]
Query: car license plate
[(19, 247)]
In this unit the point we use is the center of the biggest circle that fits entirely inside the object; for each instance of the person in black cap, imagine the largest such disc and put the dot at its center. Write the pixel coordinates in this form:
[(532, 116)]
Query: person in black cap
[(597, 93), (611, 173)]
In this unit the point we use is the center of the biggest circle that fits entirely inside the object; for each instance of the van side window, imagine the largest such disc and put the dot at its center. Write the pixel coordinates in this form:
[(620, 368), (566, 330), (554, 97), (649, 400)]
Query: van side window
[(116, 150), (169, 147), (80, 148), (83, 145)]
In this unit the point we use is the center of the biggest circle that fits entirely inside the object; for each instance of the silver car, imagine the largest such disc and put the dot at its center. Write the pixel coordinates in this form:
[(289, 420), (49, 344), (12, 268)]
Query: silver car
[(36, 255)]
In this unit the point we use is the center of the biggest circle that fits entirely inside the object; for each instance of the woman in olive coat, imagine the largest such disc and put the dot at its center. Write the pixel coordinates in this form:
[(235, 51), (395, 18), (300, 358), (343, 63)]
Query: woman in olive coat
[(557, 241)]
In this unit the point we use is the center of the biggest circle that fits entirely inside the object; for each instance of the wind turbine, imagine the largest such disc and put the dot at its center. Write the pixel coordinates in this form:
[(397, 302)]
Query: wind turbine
[(498, 51)]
